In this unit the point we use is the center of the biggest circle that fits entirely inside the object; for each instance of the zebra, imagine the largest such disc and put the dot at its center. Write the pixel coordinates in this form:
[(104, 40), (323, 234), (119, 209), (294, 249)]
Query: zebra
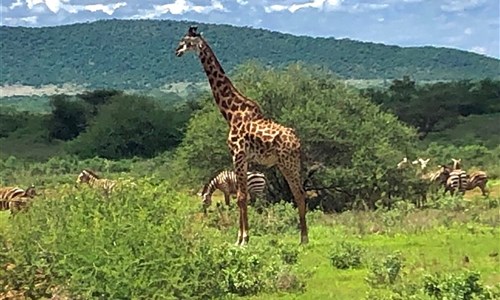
[(15, 198), (457, 179), (475, 179), (93, 180), (225, 181)]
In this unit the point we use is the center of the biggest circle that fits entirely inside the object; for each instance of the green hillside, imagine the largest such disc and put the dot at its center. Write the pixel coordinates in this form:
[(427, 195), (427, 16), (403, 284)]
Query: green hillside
[(139, 54)]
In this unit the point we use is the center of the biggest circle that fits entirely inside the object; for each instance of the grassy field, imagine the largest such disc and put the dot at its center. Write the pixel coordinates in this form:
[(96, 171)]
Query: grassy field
[(448, 240)]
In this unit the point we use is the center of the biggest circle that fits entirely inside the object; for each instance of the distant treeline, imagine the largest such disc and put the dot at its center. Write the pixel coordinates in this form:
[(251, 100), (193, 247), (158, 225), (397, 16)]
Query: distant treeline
[(112, 124), (438, 106), (139, 54), (105, 123)]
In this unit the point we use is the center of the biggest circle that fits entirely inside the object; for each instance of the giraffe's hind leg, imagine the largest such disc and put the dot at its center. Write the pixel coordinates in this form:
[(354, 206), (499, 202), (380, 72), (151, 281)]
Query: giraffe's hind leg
[(291, 171)]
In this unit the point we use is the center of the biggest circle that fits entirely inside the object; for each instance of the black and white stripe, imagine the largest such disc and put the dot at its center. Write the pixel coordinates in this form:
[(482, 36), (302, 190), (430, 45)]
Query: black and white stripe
[(15, 198), (225, 181), (458, 179), (478, 179), (93, 180)]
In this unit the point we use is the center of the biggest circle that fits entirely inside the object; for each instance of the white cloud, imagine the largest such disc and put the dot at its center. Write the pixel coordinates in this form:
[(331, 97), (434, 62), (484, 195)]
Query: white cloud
[(26, 21), (460, 5), (108, 9), (478, 49), (318, 4), (381, 19), (468, 31), (242, 2), (362, 7), (179, 7), (18, 3), (53, 5), (31, 3)]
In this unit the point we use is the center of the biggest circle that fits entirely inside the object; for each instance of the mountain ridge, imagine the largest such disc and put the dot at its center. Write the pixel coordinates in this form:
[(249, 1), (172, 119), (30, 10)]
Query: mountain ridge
[(139, 54)]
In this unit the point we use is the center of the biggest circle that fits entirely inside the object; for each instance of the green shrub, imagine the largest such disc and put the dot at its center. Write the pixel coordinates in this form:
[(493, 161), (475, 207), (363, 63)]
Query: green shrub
[(140, 242), (465, 286), (385, 272), (346, 255)]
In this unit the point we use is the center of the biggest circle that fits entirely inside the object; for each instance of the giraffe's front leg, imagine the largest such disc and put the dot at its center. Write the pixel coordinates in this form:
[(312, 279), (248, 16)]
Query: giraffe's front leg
[(240, 169)]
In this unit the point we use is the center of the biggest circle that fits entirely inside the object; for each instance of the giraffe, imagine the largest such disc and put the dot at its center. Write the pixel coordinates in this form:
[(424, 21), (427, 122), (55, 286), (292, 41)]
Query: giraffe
[(252, 137)]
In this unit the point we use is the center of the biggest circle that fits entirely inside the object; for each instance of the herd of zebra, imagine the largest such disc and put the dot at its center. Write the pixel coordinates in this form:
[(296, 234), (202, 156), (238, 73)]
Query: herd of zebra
[(16, 198), (453, 179)]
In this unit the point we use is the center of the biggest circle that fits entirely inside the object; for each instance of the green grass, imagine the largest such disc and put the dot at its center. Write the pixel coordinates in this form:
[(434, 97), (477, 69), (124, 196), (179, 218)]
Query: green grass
[(430, 241)]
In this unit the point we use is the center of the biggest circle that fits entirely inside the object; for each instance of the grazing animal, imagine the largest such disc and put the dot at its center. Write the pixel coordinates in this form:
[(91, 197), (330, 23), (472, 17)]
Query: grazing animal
[(226, 182), (476, 179), (15, 198), (252, 137), (93, 180), (458, 179)]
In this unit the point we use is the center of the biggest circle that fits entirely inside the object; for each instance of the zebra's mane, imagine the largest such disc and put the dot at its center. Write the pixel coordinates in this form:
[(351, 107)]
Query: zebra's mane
[(207, 185), (92, 173)]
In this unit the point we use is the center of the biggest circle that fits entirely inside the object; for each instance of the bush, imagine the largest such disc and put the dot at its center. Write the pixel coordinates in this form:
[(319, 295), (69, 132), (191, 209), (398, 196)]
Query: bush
[(385, 272), (346, 255), (465, 286), (128, 246), (129, 126)]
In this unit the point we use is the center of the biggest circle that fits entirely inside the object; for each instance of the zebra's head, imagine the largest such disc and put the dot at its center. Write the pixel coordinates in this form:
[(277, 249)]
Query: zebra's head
[(441, 176), (457, 163), (84, 176), (191, 41), (206, 199), (31, 191)]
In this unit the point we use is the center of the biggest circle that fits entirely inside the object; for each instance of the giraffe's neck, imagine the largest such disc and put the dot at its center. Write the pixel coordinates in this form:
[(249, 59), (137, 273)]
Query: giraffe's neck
[(227, 97)]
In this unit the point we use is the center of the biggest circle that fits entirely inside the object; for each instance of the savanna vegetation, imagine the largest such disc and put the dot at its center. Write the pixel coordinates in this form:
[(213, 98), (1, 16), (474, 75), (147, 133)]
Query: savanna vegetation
[(133, 54), (368, 240)]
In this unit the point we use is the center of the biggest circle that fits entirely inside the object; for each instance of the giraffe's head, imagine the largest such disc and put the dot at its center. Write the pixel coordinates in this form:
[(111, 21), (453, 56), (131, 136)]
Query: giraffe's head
[(191, 41)]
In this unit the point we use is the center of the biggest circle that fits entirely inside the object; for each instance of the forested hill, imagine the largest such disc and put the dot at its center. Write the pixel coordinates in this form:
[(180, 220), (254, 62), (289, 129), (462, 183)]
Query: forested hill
[(140, 54)]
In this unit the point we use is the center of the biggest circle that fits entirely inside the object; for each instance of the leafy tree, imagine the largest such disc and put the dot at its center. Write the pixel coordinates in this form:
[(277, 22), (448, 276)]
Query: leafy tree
[(97, 98), (358, 144), (129, 126), (10, 121), (69, 117)]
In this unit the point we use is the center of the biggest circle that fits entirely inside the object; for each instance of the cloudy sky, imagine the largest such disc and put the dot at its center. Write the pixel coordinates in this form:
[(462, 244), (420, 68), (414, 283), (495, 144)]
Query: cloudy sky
[(471, 25)]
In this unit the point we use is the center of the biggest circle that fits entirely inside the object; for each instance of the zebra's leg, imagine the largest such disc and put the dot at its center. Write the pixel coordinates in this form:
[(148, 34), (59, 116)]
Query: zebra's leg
[(227, 198)]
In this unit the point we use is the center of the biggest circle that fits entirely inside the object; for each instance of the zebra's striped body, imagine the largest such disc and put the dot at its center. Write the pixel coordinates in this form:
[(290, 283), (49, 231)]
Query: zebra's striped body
[(475, 179), (458, 179), (225, 181), (478, 179), (89, 177), (15, 198)]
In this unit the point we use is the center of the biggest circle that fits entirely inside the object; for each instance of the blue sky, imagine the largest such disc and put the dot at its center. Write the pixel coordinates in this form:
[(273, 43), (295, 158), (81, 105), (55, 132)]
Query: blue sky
[(471, 25)]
